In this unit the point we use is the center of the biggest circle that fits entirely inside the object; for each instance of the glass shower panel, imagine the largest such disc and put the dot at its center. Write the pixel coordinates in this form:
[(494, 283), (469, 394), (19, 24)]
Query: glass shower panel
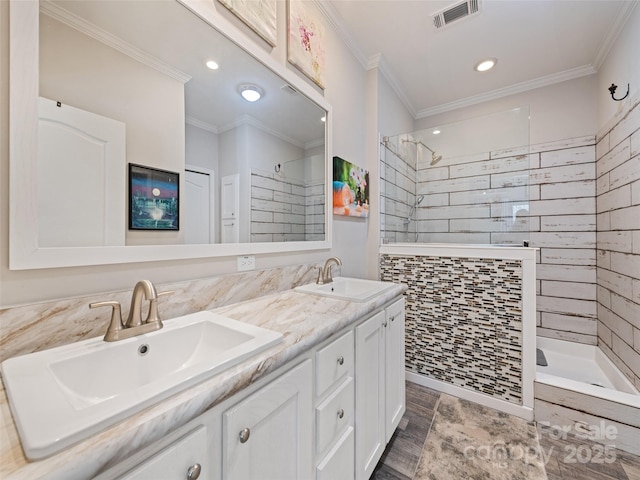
[(466, 184)]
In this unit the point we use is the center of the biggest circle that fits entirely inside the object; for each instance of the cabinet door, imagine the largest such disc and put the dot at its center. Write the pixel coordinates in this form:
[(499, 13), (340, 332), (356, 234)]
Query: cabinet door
[(269, 434), (338, 464), (394, 368), (370, 394), (230, 196), (175, 461)]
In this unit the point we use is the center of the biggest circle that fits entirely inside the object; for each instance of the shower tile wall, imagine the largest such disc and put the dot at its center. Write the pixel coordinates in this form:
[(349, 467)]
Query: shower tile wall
[(463, 320), (618, 261), (285, 210), (543, 193), (397, 193)]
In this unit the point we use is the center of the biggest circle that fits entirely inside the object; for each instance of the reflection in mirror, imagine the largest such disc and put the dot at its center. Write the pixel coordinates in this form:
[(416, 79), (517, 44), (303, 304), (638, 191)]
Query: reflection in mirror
[(127, 82)]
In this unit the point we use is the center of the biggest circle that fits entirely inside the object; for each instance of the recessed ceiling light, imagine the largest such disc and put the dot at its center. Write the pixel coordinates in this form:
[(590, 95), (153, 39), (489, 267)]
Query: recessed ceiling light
[(251, 93), (436, 132), (485, 65), (212, 65)]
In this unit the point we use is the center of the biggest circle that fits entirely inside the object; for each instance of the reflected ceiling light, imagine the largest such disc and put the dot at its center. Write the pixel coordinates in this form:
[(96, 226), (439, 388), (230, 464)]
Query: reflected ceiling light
[(324, 118), (436, 132), (485, 65), (212, 65), (251, 93)]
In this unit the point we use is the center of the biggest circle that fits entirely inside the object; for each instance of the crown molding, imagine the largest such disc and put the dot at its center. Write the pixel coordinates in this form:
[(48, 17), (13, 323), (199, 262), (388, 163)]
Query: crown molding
[(80, 24), (251, 121), (378, 61), (623, 15), (189, 120), (521, 87)]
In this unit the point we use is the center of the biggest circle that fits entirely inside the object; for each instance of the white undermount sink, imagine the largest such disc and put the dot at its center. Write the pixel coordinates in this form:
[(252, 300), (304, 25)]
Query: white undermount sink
[(344, 288), (63, 395)]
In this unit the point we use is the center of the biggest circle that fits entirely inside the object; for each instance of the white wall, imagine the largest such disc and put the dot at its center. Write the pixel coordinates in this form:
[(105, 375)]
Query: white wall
[(560, 111), (621, 67)]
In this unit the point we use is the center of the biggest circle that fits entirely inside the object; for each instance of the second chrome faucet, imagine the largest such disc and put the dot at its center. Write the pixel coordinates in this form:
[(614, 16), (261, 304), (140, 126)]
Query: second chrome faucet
[(134, 325)]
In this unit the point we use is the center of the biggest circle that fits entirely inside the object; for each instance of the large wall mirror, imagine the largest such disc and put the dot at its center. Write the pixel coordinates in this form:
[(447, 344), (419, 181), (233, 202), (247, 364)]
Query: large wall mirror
[(99, 86)]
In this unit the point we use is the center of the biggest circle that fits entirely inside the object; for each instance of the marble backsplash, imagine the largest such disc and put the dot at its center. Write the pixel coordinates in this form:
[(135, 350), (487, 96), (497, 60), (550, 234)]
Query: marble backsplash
[(30, 328)]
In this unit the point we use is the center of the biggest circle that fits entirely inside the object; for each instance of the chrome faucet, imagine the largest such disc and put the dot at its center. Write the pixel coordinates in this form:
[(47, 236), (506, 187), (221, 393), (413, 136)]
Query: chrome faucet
[(324, 275), (134, 325)]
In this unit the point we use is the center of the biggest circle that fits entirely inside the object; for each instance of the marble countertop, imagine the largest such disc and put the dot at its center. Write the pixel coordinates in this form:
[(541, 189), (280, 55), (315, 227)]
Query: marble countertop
[(304, 320)]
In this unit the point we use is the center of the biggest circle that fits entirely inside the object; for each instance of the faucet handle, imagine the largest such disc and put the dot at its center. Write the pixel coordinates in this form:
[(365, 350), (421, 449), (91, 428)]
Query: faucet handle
[(115, 325), (320, 280)]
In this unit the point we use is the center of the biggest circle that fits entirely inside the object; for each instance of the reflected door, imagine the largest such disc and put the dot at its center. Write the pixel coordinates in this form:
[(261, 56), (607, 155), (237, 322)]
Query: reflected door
[(81, 177), (199, 217)]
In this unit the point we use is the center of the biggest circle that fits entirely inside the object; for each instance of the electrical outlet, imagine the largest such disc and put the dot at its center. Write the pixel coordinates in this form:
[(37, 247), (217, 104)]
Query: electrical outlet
[(246, 262)]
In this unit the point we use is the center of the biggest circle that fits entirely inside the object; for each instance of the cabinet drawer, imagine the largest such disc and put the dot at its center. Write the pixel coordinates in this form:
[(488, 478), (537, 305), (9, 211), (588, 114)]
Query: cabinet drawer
[(333, 362), (334, 414), (339, 464)]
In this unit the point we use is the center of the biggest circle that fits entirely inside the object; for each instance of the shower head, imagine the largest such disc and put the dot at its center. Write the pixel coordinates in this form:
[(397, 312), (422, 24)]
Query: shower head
[(435, 159), (419, 199)]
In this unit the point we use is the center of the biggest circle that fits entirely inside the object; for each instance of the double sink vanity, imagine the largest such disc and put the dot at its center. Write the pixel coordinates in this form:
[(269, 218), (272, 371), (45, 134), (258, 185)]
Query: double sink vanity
[(305, 383)]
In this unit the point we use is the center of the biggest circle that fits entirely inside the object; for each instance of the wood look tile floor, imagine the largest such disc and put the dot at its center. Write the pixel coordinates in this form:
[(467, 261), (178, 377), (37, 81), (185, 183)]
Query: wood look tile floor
[(438, 432)]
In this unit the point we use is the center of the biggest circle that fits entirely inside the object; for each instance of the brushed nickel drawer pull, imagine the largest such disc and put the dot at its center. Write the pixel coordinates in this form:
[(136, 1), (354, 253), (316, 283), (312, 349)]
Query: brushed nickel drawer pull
[(193, 473), (340, 360), (245, 433), (340, 413)]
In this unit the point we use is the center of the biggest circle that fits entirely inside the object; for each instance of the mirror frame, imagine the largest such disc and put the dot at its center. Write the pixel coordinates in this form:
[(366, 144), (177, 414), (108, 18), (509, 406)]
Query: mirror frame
[(24, 253)]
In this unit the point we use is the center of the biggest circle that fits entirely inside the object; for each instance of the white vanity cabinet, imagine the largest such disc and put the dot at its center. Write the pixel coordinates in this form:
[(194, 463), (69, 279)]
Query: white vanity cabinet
[(186, 458), (267, 435), (335, 409), (380, 376)]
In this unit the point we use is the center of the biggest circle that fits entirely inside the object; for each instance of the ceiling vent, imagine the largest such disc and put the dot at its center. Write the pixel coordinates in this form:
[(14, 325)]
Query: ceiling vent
[(455, 12), (289, 89)]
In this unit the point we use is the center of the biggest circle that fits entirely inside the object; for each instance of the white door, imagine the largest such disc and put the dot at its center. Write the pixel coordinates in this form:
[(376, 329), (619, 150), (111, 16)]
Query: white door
[(370, 395), (229, 207), (268, 435), (81, 177), (199, 216)]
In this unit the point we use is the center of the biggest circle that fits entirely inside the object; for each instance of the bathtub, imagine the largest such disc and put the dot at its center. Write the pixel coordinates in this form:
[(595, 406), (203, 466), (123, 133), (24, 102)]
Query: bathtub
[(582, 392)]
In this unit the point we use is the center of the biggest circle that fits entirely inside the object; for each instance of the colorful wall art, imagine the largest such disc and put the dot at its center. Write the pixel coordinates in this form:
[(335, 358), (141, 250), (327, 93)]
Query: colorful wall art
[(306, 46), (153, 199), (350, 189), (259, 15)]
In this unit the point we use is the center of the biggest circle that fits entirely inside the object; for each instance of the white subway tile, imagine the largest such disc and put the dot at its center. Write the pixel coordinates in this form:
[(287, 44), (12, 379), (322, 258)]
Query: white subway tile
[(569, 323), (570, 206), (433, 173), (603, 259), (433, 226), (602, 184), (635, 239), (626, 309), (603, 221), (567, 306), (474, 238), (513, 179), (568, 336), (568, 223), (569, 156), (509, 164), (260, 216), (580, 291), (604, 333), (635, 193), (585, 188), (626, 173), (635, 290), (466, 211), (568, 256), (262, 193), (511, 238), (614, 199), (620, 241), (616, 283), (604, 296), (432, 199), (563, 144), (626, 353), (626, 218), (614, 322), (636, 339), (623, 130), (620, 154), (493, 195), (563, 239), (567, 273), (458, 184), (635, 143), (569, 173), (602, 147), (469, 225)]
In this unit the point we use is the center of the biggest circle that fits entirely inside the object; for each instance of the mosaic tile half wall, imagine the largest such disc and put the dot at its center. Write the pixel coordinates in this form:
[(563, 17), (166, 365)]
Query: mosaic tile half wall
[(463, 320)]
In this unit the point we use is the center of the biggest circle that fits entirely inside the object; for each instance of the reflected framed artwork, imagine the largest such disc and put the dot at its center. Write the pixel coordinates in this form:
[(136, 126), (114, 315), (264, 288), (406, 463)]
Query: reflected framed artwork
[(306, 44), (350, 189), (154, 199), (258, 15)]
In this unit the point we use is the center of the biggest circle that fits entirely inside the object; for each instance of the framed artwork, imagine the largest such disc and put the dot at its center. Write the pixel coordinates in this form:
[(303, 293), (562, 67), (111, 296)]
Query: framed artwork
[(259, 15), (306, 45), (350, 189), (154, 199)]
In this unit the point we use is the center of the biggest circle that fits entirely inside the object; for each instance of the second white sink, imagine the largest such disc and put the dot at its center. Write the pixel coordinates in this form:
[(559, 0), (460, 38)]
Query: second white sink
[(65, 394), (344, 288)]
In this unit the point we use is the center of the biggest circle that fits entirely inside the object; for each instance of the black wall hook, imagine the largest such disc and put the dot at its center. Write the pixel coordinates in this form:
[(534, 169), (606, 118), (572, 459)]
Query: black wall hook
[(612, 89)]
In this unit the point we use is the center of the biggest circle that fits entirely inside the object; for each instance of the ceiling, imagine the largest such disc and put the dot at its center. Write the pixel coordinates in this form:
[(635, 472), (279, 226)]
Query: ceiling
[(536, 42)]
